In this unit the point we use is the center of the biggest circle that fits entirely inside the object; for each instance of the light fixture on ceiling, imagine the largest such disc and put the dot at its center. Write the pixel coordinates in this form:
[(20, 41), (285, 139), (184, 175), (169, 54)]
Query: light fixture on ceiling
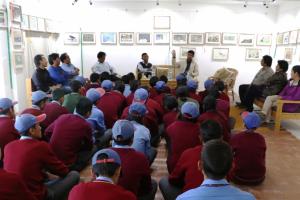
[(74, 2), (157, 2), (90, 2), (245, 4), (179, 3)]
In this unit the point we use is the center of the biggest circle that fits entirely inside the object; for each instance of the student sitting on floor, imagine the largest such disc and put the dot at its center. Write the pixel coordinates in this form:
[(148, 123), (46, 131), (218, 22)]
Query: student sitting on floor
[(219, 85), (135, 166), (193, 86), (118, 92), (134, 85), (165, 79), (208, 84), (249, 152), (71, 136), (94, 81), (182, 134), (152, 90), (216, 161), (160, 90), (180, 81), (171, 107), (30, 159), (8, 132), (186, 174), (142, 136), (39, 99), (72, 99), (106, 169), (182, 94), (126, 81)]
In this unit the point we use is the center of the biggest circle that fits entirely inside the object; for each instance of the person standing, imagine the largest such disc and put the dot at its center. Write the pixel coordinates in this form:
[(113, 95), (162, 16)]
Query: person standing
[(101, 66), (144, 67)]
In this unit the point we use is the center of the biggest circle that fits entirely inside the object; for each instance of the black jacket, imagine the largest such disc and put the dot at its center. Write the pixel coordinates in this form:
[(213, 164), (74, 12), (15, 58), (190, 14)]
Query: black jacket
[(42, 80)]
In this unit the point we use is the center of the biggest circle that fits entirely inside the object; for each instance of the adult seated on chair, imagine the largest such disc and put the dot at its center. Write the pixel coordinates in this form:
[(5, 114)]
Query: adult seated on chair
[(144, 67), (67, 66), (101, 66), (249, 92), (57, 74)]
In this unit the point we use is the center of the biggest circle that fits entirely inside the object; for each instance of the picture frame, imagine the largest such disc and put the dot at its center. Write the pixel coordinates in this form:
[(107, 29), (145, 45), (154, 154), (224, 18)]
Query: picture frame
[(162, 22), (220, 54), (293, 37), (126, 38), (25, 22), (41, 24), (196, 38), (15, 13), (17, 37), (246, 39), (33, 23), (288, 54), (286, 38), (3, 22), (71, 38), (109, 38), (143, 38), (161, 38), (264, 40), (179, 38), (213, 38), (253, 54), (230, 38), (18, 59), (184, 50), (88, 38), (279, 39)]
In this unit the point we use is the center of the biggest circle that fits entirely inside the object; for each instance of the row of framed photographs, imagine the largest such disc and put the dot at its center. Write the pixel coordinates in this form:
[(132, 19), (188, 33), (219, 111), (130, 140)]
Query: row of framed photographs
[(290, 37), (34, 23), (146, 38)]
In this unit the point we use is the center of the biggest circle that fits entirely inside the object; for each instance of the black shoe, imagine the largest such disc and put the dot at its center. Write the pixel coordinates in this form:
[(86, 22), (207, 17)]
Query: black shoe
[(240, 105)]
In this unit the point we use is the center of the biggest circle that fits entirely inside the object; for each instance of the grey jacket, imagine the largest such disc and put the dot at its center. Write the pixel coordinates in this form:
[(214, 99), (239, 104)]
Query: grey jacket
[(275, 84)]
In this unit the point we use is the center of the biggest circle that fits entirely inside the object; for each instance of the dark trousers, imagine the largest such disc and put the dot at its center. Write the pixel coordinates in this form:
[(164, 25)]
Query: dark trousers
[(248, 93), (83, 159), (169, 192), (150, 195), (60, 188), (242, 92), (152, 155)]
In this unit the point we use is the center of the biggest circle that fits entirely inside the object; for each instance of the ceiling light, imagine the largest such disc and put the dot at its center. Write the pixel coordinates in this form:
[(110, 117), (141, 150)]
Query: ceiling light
[(157, 2)]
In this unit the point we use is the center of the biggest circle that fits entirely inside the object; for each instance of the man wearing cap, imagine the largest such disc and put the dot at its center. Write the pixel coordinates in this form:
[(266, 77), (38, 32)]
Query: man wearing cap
[(249, 148), (160, 89), (135, 166), (30, 159), (102, 66), (182, 134), (187, 67), (144, 67), (193, 86), (8, 132), (106, 169), (72, 99)]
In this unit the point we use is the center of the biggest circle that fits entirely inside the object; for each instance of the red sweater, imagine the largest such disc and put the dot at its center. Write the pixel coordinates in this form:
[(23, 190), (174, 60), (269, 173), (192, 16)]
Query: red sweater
[(152, 93), (169, 118), (129, 99), (160, 99), (180, 136), (195, 96), (69, 135), (202, 95), (30, 158), (249, 150), (99, 190), (186, 171), (53, 111), (8, 185), (224, 96), (135, 171), (157, 109)]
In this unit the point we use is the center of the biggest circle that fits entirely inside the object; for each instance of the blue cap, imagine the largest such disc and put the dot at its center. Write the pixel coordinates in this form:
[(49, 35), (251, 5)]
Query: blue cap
[(160, 85), (192, 84), (93, 95), (6, 103), (208, 83), (180, 77), (38, 96), (107, 85), (140, 95), (81, 79), (26, 121), (251, 120), (123, 128), (190, 110), (112, 157), (138, 109)]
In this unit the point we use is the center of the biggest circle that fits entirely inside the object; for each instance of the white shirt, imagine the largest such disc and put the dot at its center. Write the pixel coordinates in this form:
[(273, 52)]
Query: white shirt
[(99, 68)]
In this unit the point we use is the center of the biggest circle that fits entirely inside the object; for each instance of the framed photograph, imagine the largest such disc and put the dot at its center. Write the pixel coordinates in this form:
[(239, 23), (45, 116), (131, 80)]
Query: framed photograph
[(184, 51), (161, 38), (33, 23), (126, 37), (246, 39), (230, 38), (143, 38), (88, 38), (179, 38), (220, 54), (3, 22), (196, 38), (162, 22), (17, 37), (18, 59), (288, 54), (213, 38), (71, 38), (253, 54), (41, 24), (264, 40), (279, 39), (16, 13), (25, 22), (286, 38), (109, 38), (293, 37)]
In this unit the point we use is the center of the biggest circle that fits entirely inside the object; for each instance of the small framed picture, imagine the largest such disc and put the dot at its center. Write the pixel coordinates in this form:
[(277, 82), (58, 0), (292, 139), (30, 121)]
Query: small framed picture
[(213, 38), (253, 54), (126, 37), (293, 37), (71, 38), (17, 37), (220, 54), (161, 38), (286, 38), (184, 51), (162, 22), (288, 54), (16, 13), (88, 38), (246, 39), (143, 38), (264, 40), (196, 38), (18, 59), (25, 22), (41, 24), (230, 38), (179, 38), (33, 23), (3, 22), (108, 38), (279, 39)]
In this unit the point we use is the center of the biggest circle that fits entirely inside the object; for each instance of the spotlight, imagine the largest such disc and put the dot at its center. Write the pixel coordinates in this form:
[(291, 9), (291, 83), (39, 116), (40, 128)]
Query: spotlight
[(157, 2), (91, 3), (265, 4), (179, 3), (74, 2)]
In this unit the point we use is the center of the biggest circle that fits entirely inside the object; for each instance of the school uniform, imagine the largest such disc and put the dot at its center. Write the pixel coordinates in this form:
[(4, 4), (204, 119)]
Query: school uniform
[(169, 118), (223, 107), (202, 95), (39, 157), (249, 150), (130, 98), (195, 96), (152, 92), (71, 100), (53, 110), (9, 184), (160, 99), (121, 100), (180, 136), (224, 96), (151, 104), (92, 85)]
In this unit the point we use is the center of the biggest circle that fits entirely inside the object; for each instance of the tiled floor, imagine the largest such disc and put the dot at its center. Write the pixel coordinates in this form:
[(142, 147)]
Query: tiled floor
[(283, 165)]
